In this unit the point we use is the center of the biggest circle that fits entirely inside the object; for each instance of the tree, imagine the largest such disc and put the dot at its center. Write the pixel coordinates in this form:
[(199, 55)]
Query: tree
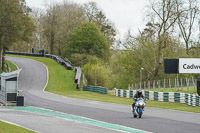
[(186, 21), (88, 40), (38, 42), (141, 52), (163, 17), (49, 26), (15, 24), (96, 75), (94, 14), (58, 22)]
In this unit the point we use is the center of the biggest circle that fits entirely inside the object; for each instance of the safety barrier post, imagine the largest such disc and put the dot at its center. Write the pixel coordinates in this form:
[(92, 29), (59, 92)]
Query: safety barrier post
[(160, 96), (165, 96)]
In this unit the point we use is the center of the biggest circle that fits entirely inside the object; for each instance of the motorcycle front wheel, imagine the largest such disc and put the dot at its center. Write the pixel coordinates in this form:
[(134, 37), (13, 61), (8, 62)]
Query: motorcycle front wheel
[(140, 112)]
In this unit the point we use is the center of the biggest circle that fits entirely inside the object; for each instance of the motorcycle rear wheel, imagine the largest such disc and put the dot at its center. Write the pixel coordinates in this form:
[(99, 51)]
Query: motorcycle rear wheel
[(134, 115)]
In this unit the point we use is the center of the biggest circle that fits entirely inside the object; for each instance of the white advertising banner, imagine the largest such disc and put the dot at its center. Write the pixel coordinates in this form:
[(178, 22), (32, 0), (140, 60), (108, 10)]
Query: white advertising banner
[(189, 65)]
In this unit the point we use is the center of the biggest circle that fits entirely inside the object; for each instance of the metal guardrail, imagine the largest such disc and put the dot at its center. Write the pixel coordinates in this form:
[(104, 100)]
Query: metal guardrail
[(77, 78), (96, 89), (25, 54), (58, 59)]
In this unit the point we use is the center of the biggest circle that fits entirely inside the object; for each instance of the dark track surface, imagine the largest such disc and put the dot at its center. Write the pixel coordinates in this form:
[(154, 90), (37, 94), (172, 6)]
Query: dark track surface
[(33, 79)]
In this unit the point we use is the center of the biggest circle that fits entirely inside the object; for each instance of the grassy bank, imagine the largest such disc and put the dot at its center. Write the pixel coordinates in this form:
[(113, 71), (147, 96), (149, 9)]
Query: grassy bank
[(61, 83), (8, 128), (12, 66)]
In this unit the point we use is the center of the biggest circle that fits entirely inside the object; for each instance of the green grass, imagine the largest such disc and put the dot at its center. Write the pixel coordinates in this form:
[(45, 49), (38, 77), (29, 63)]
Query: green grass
[(12, 66), (60, 79), (61, 83), (8, 128)]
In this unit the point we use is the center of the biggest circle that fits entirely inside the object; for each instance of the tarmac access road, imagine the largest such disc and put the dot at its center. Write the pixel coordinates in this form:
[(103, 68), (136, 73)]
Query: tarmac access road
[(107, 117)]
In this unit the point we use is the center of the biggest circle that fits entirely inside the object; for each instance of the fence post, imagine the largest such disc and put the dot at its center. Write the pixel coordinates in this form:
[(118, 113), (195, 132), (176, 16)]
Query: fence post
[(175, 83), (149, 84), (187, 82), (144, 85), (159, 84), (132, 87), (154, 84), (164, 84), (181, 84), (193, 82), (170, 84)]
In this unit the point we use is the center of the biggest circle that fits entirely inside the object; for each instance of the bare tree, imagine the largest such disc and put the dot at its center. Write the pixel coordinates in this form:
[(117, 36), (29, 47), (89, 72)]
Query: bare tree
[(59, 21), (37, 40), (70, 16), (186, 20), (164, 15), (94, 14)]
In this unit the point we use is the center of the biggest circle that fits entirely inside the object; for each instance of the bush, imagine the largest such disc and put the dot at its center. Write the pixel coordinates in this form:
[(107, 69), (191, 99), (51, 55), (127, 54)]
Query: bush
[(97, 75)]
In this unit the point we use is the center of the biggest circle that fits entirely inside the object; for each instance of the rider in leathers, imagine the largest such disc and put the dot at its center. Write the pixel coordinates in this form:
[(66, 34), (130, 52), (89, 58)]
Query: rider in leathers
[(137, 95)]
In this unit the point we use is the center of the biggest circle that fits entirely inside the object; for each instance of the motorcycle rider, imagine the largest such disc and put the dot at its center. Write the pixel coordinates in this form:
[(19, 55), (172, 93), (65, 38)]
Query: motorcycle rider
[(137, 95)]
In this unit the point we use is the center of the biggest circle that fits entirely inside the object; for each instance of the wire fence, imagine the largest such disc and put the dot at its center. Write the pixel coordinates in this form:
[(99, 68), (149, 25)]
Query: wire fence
[(165, 83)]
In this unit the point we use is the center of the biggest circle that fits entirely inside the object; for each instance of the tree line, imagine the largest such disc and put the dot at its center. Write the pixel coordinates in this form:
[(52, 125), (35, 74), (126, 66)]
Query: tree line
[(16, 25), (87, 38)]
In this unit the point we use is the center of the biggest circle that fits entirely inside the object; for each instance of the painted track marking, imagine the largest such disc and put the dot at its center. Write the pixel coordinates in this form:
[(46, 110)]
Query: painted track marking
[(75, 118)]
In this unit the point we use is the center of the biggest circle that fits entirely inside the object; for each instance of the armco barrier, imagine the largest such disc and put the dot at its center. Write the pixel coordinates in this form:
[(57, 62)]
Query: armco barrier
[(96, 89), (77, 78), (189, 99), (25, 54), (58, 59)]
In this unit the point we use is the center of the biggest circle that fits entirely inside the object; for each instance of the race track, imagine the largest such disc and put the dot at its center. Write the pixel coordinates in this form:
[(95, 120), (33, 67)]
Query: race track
[(32, 81)]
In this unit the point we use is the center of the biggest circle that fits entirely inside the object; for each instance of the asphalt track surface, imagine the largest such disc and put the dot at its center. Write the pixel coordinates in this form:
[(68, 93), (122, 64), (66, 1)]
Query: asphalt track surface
[(33, 79)]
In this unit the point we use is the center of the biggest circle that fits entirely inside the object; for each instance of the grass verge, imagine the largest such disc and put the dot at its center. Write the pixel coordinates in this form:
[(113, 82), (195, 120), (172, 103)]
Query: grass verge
[(12, 66), (9, 128), (61, 83)]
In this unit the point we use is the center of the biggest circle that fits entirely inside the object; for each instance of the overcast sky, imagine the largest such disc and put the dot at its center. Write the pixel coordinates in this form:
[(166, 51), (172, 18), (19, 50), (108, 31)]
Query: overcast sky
[(125, 14)]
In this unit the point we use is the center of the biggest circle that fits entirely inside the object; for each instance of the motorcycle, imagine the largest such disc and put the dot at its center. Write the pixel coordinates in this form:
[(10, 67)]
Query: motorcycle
[(138, 108)]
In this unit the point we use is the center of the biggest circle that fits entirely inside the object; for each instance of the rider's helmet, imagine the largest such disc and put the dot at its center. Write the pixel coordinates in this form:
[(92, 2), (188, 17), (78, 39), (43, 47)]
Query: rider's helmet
[(139, 92)]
